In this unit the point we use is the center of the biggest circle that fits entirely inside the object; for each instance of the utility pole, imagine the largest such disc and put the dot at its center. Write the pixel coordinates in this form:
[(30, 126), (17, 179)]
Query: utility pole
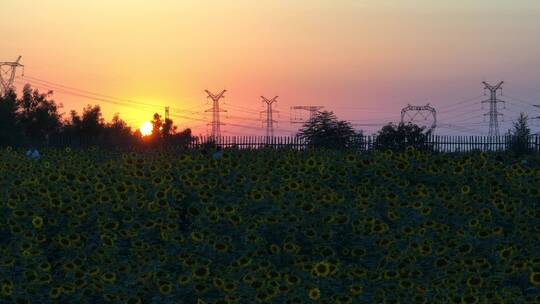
[(216, 133), (493, 113), (269, 121), (8, 72), (312, 112), (166, 113)]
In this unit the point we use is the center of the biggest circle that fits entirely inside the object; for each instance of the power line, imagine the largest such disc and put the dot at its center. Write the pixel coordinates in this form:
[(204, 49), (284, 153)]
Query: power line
[(243, 109), (52, 85), (443, 108), (469, 118), (107, 100), (526, 102), (117, 103)]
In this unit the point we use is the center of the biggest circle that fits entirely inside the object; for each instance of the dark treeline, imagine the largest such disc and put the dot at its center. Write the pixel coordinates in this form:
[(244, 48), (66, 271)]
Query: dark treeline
[(35, 119)]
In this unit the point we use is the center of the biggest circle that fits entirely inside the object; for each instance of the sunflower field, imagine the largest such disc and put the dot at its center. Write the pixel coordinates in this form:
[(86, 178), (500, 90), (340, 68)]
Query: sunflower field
[(269, 226)]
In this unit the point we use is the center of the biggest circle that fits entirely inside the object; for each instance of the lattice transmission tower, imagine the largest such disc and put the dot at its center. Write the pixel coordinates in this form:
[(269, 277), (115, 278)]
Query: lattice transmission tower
[(312, 112), (427, 112), (536, 118), (8, 71), (269, 115), (216, 123), (493, 113)]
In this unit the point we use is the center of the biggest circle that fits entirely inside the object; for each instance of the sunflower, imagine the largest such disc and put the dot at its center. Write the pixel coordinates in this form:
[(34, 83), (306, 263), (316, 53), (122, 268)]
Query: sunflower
[(109, 277), (229, 287), (417, 205), (390, 275), (37, 222), (474, 222), (314, 293), (201, 272), (475, 281), (534, 278), (469, 299), (68, 288), (197, 236), (55, 292), (200, 288), (321, 269), (290, 247), (133, 300), (165, 288), (425, 211), (184, 280), (221, 247), (311, 163), (506, 253), (99, 187)]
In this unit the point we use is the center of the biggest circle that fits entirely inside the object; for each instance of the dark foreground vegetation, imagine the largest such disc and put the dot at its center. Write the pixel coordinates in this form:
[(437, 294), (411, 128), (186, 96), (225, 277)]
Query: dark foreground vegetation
[(269, 226)]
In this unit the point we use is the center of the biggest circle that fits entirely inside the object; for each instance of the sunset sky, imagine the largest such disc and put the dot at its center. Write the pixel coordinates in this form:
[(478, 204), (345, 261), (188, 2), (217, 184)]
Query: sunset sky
[(362, 59)]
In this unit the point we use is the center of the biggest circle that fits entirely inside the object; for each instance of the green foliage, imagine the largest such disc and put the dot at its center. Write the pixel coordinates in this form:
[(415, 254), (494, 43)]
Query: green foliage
[(398, 137), (324, 130)]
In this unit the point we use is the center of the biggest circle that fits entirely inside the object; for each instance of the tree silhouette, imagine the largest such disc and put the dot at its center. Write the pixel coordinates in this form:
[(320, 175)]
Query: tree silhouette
[(72, 126), (520, 135), (163, 131), (397, 137), (181, 139), (11, 131), (157, 124), (92, 122), (39, 115), (167, 128), (325, 130), (118, 133)]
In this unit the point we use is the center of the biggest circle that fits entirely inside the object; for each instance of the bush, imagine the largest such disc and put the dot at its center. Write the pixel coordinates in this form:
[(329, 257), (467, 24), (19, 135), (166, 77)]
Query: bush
[(398, 137)]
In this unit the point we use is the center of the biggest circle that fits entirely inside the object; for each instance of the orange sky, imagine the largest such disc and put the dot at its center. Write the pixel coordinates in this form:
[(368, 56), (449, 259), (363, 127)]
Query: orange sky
[(362, 59)]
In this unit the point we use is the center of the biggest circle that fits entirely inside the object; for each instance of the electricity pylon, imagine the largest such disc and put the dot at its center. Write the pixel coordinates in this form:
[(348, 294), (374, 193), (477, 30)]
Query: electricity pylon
[(312, 112), (216, 123), (537, 117), (424, 111), (493, 113), (8, 72), (269, 111)]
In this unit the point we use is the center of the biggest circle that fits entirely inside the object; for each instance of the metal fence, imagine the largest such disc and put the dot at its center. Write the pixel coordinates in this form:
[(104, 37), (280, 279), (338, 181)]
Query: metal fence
[(363, 143), (436, 143)]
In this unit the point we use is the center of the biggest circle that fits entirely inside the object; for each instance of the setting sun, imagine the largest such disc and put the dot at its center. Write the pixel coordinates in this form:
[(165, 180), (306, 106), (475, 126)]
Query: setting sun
[(146, 128)]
